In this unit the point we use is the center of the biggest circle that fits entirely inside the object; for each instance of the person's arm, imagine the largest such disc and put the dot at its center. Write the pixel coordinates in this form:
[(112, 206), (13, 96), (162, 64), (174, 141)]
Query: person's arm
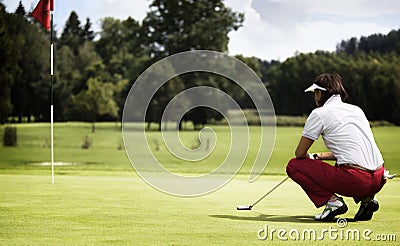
[(325, 156), (302, 147)]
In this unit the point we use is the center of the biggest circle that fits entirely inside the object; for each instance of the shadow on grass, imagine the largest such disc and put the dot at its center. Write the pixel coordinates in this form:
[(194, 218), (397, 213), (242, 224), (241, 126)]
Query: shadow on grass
[(277, 218)]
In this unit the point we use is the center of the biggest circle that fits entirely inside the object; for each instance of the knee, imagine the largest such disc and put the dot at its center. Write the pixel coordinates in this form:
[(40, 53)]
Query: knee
[(291, 167)]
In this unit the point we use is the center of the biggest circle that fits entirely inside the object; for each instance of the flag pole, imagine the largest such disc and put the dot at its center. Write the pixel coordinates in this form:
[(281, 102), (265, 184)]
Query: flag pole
[(43, 13), (51, 96)]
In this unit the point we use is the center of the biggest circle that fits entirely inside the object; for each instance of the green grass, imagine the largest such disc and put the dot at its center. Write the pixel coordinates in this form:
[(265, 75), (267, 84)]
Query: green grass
[(91, 210), (101, 200), (107, 155)]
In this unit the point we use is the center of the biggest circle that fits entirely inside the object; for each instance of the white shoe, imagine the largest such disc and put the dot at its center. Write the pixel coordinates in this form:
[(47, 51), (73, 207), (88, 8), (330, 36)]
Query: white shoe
[(332, 209)]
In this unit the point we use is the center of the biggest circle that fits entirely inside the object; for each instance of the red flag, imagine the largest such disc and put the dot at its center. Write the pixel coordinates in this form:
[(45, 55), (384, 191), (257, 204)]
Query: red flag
[(42, 12)]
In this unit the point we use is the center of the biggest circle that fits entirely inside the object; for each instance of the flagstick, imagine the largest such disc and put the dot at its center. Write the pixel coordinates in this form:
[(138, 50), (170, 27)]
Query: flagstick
[(51, 99)]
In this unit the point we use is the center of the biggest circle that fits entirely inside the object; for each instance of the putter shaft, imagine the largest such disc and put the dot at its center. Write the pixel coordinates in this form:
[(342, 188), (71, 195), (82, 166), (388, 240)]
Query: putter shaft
[(269, 192)]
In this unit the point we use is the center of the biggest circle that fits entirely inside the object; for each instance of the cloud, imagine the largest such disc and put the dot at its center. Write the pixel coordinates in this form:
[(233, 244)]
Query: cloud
[(281, 13), (325, 35), (277, 29), (259, 38), (284, 12), (356, 8)]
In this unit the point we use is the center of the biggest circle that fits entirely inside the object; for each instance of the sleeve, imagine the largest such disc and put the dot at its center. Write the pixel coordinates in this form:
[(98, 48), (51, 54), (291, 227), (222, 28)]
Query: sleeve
[(313, 127)]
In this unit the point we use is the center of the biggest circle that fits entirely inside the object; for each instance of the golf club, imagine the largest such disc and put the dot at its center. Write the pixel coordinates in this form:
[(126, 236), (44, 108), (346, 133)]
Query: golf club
[(244, 207)]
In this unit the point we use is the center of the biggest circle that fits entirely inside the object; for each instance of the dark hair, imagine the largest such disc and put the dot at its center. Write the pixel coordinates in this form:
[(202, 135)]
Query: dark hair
[(333, 83)]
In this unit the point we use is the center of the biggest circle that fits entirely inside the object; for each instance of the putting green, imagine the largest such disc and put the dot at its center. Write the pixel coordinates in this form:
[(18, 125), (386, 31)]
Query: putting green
[(92, 210), (98, 199)]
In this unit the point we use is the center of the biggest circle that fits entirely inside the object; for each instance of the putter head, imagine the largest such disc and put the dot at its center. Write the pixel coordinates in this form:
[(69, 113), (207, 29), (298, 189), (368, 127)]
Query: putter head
[(243, 207)]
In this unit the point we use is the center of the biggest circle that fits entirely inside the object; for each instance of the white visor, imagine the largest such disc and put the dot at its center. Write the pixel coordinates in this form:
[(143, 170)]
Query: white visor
[(314, 87)]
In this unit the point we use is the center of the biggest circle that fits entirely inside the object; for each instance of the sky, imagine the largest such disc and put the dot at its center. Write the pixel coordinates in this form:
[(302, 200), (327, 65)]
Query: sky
[(272, 30)]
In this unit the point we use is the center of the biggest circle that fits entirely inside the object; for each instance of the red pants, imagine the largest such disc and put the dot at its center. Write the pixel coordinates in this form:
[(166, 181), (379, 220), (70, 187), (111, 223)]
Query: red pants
[(321, 180)]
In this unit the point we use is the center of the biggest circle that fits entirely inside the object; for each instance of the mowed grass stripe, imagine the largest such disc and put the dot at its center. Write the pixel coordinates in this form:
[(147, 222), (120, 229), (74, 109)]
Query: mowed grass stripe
[(107, 153)]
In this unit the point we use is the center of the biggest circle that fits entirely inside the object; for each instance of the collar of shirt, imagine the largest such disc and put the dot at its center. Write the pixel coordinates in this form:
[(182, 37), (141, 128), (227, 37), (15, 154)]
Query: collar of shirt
[(333, 99)]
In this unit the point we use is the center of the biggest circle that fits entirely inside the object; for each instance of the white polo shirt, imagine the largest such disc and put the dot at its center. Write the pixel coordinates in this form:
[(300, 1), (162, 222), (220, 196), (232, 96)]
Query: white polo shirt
[(346, 133)]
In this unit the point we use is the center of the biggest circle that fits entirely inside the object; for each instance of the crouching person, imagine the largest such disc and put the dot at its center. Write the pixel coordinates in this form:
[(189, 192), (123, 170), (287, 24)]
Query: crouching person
[(358, 172)]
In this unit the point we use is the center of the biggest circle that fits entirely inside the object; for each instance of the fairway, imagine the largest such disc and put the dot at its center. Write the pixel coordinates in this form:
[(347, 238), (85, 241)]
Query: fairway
[(100, 199)]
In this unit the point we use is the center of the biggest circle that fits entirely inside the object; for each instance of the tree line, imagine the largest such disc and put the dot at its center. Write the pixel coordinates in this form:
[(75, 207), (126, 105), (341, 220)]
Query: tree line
[(94, 71), (369, 67)]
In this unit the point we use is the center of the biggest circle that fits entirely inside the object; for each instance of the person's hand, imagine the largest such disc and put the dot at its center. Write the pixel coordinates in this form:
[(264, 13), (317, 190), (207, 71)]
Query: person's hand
[(313, 156)]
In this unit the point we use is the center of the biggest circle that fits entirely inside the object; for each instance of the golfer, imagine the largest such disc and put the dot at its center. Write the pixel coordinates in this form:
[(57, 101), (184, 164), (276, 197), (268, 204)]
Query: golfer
[(358, 172)]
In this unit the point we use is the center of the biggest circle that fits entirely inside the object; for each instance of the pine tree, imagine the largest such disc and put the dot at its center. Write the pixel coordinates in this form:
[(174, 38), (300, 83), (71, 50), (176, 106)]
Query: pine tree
[(20, 10)]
